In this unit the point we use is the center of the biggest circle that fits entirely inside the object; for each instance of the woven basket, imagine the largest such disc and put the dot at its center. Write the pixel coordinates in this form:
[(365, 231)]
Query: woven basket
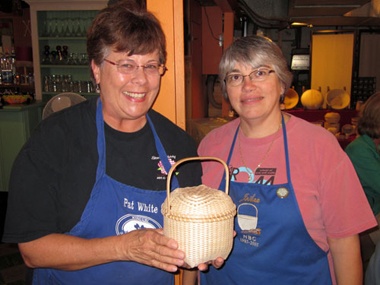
[(200, 219)]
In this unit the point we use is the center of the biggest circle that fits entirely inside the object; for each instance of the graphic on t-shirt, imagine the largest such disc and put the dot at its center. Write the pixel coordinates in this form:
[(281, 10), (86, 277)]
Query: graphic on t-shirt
[(163, 173), (162, 168), (247, 217), (131, 222), (264, 176)]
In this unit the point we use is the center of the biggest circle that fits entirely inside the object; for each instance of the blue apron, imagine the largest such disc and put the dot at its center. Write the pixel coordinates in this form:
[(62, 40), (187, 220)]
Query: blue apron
[(272, 245), (114, 209)]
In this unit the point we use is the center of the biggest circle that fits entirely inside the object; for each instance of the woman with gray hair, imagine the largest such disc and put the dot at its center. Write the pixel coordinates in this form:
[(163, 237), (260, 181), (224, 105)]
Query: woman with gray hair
[(299, 203)]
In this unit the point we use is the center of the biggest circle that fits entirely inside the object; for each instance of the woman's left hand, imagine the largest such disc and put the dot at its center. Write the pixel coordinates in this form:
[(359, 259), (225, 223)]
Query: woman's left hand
[(217, 263)]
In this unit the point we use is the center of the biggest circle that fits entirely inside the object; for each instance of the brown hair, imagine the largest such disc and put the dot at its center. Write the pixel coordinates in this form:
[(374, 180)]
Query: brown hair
[(369, 121), (125, 26)]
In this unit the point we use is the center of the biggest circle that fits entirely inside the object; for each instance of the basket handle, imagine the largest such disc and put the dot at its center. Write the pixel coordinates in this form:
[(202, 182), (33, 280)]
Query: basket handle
[(188, 159)]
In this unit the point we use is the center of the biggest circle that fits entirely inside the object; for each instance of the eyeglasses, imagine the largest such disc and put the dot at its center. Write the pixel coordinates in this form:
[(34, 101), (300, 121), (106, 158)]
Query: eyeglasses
[(128, 67), (260, 74)]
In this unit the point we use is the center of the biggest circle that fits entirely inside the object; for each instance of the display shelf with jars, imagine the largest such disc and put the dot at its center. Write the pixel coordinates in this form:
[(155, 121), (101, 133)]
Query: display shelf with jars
[(16, 67), (16, 82), (59, 46), (64, 61)]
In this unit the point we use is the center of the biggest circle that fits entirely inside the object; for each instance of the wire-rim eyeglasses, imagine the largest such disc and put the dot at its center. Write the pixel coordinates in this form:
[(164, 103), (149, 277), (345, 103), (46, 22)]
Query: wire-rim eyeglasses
[(128, 67), (259, 74)]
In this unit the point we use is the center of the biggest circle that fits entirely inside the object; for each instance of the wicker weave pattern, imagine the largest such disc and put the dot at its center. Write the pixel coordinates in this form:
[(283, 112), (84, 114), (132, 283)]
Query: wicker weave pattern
[(201, 241), (199, 204), (201, 220)]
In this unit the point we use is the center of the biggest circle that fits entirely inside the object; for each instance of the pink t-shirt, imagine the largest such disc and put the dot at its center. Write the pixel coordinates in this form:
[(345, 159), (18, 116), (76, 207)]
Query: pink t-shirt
[(330, 197)]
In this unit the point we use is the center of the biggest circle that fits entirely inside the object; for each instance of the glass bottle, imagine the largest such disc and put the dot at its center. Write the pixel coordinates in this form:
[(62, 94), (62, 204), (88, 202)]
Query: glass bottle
[(6, 71), (1, 64)]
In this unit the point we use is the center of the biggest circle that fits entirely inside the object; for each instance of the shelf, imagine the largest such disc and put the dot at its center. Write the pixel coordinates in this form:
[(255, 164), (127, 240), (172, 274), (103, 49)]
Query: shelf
[(21, 86), (24, 63), (64, 66), (62, 38), (80, 93), (46, 96), (70, 18)]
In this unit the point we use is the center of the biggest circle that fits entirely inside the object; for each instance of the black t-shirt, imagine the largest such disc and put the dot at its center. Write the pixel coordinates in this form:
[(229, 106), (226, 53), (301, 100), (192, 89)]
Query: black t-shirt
[(54, 173)]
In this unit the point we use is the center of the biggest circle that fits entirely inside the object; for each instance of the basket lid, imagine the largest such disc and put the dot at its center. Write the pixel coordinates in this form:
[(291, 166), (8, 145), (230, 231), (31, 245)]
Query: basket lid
[(199, 203)]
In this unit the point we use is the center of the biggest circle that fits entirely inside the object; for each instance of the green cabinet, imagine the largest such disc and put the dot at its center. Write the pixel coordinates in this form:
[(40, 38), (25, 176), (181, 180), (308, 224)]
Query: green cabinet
[(17, 122)]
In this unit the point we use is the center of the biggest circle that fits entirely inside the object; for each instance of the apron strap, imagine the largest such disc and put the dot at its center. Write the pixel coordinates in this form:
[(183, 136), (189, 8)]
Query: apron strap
[(221, 185), (286, 149), (100, 141), (161, 152), (232, 147)]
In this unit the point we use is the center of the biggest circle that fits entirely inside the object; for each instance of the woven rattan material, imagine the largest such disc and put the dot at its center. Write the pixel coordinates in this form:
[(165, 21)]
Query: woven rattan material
[(199, 204), (201, 242), (201, 220)]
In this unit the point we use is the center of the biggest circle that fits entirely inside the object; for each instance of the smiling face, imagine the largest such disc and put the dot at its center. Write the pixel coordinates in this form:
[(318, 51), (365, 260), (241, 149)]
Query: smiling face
[(256, 101), (126, 98)]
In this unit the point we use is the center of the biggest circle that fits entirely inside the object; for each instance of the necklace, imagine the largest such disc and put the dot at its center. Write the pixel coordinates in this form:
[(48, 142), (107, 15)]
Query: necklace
[(250, 173)]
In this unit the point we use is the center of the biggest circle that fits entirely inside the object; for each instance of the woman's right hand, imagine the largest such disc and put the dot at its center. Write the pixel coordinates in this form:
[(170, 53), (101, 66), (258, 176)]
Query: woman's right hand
[(152, 248), (66, 252)]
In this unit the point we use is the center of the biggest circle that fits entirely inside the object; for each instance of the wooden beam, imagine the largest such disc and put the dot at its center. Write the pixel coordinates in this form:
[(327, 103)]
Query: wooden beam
[(171, 100)]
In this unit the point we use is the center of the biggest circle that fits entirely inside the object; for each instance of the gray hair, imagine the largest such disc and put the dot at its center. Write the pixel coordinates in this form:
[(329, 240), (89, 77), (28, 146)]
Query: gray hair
[(255, 51)]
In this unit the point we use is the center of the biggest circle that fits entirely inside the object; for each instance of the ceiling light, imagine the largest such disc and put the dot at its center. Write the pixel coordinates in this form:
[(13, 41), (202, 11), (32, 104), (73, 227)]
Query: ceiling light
[(298, 24)]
